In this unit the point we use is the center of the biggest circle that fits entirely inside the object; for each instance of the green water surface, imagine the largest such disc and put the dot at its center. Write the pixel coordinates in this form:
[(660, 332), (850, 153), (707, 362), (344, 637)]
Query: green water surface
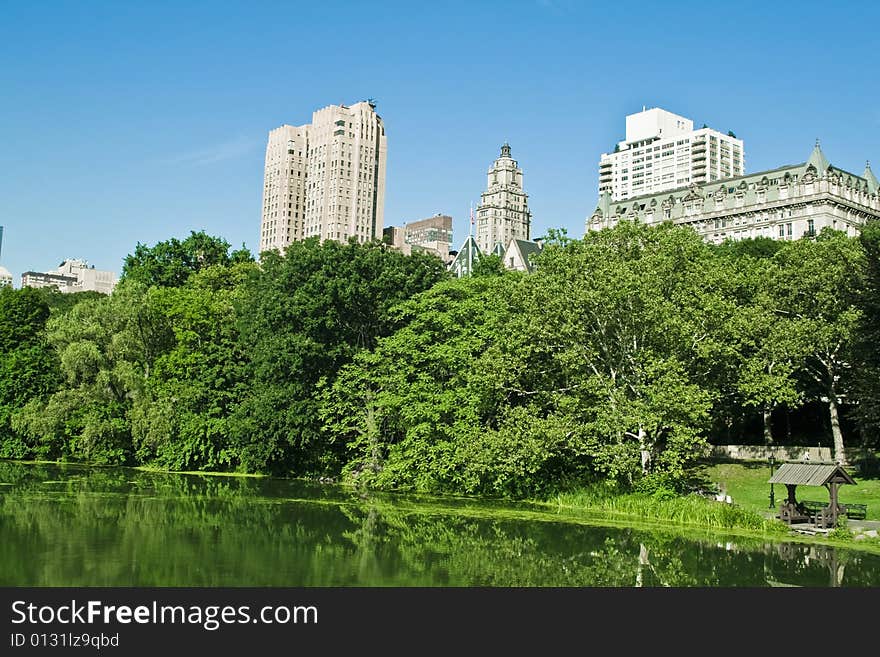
[(66, 525)]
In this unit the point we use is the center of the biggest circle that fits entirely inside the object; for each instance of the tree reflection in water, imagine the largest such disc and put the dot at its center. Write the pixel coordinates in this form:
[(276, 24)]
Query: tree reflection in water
[(76, 526)]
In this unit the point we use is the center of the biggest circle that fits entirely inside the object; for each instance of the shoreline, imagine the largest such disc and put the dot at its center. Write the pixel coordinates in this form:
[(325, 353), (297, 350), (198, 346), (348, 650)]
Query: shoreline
[(541, 511)]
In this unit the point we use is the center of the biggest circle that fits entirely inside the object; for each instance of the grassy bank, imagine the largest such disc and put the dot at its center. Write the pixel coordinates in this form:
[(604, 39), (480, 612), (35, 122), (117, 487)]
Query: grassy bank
[(746, 483), (689, 510), (142, 468), (747, 516)]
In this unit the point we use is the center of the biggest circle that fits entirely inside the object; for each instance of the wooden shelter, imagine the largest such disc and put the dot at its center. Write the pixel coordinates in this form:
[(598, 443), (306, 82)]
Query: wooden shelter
[(830, 475)]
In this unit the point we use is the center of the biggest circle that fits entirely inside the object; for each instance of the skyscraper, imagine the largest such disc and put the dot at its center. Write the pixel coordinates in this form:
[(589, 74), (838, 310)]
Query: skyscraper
[(503, 213), (663, 151), (326, 178)]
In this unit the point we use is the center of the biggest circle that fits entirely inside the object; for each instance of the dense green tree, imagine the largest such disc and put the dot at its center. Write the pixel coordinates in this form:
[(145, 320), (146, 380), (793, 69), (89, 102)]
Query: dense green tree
[(172, 262), (622, 333), (612, 361), (756, 247), (598, 365), (28, 366), (867, 339), (106, 348), (761, 371), (556, 237), (60, 302), (489, 265), (415, 412), (302, 316), (816, 292), (23, 315), (182, 422)]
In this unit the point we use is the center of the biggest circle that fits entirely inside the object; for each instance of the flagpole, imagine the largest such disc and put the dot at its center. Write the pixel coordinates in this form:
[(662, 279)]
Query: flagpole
[(470, 242)]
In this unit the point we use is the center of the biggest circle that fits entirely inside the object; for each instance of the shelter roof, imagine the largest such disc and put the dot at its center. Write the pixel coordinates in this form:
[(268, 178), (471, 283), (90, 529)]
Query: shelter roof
[(810, 474)]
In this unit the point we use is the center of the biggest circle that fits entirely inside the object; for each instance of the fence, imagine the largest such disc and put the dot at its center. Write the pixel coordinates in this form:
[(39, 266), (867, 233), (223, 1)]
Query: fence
[(779, 452)]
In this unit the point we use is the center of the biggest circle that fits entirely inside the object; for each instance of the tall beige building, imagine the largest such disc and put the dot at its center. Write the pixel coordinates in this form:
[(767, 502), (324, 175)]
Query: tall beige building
[(325, 179), (503, 213)]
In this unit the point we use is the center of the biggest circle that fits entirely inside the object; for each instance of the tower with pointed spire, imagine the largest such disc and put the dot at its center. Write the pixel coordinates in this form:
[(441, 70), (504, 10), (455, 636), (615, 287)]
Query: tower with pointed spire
[(870, 179), (503, 213), (818, 160)]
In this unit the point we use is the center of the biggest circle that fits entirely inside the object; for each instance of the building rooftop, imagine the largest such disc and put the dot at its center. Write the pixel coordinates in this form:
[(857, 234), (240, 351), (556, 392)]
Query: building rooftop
[(817, 159)]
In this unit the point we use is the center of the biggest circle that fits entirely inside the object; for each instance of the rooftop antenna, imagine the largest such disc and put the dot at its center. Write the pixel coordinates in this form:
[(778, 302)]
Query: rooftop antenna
[(470, 240)]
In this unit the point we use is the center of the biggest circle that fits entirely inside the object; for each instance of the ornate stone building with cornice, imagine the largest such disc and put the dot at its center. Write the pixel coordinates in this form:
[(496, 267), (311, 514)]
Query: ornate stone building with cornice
[(786, 203), (503, 213)]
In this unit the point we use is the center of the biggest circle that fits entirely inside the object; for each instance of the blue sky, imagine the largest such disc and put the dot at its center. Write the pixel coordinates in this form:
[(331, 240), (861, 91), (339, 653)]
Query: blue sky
[(136, 122)]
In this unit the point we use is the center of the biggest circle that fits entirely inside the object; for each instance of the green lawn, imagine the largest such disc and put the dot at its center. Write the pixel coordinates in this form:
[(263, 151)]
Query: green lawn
[(746, 483)]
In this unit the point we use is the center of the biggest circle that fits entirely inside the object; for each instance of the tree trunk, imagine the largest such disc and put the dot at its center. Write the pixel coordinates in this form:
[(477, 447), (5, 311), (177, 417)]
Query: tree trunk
[(768, 429), (838, 581), (646, 454), (839, 453), (643, 561), (372, 431)]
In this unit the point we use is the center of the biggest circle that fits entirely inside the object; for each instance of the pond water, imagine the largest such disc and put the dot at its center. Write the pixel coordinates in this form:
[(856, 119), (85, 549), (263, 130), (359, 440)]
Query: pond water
[(66, 525)]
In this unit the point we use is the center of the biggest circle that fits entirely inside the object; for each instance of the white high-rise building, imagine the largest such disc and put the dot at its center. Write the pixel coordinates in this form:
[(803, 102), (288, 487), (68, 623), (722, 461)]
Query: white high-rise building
[(787, 203), (325, 179), (503, 214), (663, 151)]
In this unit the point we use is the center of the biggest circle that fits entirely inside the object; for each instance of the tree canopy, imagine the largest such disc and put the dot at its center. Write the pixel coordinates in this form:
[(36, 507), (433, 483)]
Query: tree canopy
[(619, 359), (172, 262)]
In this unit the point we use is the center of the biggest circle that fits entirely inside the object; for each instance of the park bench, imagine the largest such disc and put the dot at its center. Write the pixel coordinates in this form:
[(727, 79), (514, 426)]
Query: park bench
[(791, 513), (856, 511), (852, 511)]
